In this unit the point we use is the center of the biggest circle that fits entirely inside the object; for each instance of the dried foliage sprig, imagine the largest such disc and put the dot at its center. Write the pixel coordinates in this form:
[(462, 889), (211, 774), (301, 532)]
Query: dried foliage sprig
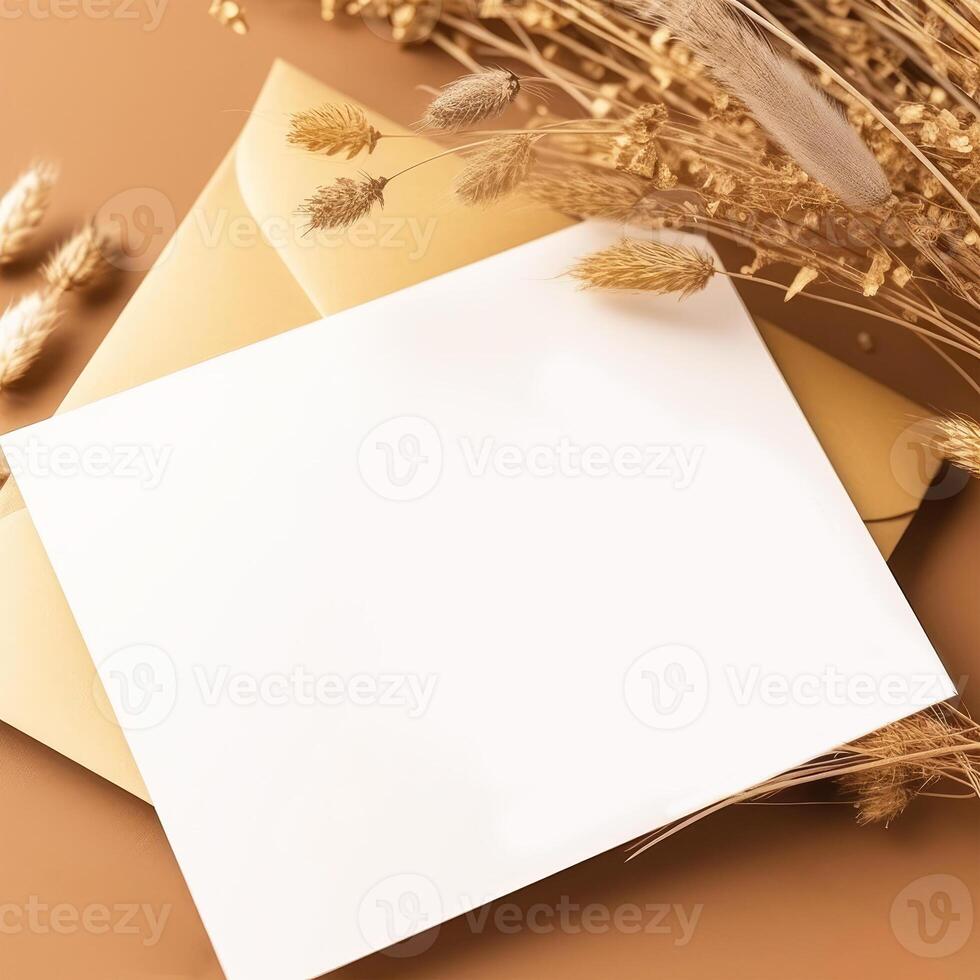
[(881, 773), (916, 752), (716, 153), (696, 143), (23, 207), (496, 166)]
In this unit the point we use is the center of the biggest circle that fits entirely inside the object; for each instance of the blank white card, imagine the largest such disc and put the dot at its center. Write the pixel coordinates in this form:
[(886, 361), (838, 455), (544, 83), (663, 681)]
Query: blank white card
[(421, 603)]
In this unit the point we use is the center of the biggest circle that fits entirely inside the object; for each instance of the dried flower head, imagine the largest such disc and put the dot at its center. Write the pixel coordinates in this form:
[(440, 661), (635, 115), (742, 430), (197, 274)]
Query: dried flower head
[(334, 129), (23, 207), (496, 169), (344, 202), (82, 261), (24, 327), (957, 438), (636, 150), (881, 793), (646, 265), (471, 99)]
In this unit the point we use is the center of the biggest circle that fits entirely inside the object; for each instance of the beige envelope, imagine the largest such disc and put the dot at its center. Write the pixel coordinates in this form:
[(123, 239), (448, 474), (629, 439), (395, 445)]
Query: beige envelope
[(238, 271)]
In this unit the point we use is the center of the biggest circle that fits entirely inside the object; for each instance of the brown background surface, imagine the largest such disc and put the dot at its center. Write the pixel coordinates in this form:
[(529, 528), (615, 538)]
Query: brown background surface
[(143, 116)]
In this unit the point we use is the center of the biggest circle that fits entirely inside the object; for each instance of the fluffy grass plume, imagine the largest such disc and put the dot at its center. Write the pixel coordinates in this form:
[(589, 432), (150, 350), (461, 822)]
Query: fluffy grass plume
[(24, 327), (882, 793), (82, 261), (333, 129), (496, 169), (472, 99), (23, 207), (588, 193), (957, 439), (344, 202), (796, 114), (649, 266)]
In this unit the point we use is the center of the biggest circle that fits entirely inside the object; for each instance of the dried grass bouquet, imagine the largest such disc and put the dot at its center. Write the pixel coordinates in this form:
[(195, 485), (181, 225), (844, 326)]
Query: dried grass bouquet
[(837, 142)]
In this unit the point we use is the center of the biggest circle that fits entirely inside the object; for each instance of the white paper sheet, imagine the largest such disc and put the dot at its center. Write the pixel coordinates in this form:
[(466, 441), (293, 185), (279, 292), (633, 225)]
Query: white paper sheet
[(416, 605)]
